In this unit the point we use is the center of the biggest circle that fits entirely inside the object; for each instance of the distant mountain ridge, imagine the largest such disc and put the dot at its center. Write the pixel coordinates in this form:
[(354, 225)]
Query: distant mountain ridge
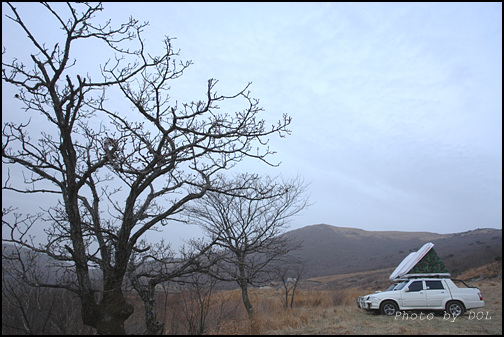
[(331, 250)]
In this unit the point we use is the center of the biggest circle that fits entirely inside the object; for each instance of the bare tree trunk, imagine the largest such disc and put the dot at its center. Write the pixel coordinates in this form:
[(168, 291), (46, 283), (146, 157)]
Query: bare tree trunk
[(147, 293), (114, 310), (248, 307), (245, 297), (293, 292), (286, 289), (242, 282), (108, 316), (246, 301)]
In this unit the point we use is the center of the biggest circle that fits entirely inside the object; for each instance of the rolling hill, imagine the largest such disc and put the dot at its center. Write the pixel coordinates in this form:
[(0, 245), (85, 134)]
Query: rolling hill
[(330, 250), (353, 254)]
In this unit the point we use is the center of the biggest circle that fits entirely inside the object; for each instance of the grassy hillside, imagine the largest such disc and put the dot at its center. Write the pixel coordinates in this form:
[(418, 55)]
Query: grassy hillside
[(330, 250)]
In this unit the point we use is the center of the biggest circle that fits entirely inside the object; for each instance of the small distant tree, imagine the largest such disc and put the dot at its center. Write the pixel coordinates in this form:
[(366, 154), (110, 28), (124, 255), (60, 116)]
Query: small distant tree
[(155, 265), (248, 227), (31, 310), (25, 309), (289, 274), (196, 302)]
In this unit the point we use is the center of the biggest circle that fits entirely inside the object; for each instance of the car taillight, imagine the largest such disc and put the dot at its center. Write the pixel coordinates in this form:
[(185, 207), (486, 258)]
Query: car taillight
[(481, 297)]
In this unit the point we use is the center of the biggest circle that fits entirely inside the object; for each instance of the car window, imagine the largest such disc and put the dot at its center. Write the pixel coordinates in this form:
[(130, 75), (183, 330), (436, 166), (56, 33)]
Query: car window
[(391, 287), (400, 286), (415, 286), (434, 285)]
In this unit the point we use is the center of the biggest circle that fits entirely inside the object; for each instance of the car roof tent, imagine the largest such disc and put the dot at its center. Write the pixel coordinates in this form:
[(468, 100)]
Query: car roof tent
[(422, 263)]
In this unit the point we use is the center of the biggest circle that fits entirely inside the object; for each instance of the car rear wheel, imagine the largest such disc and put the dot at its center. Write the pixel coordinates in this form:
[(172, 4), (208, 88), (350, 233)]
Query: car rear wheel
[(455, 308), (388, 308)]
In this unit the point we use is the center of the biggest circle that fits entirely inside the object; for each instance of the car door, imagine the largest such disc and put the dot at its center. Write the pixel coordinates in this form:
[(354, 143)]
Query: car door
[(436, 293), (415, 296)]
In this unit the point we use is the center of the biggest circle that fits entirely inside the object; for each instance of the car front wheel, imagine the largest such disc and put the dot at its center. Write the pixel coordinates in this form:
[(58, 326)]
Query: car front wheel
[(388, 308)]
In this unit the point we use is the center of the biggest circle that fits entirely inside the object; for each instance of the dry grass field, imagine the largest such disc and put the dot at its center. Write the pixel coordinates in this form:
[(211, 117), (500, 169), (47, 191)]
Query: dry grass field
[(346, 319), (319, 312), (328, 312), (327, 305)]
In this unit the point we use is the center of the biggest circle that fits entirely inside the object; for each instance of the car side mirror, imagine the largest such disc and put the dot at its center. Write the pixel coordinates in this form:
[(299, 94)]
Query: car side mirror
[(406, 289)]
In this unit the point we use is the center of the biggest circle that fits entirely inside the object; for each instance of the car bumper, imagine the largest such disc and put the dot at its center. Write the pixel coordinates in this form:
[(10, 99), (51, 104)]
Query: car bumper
[(474, 304), (366, 304)]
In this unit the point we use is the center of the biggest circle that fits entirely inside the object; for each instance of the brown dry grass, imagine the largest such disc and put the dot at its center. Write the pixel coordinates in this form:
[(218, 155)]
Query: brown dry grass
[(321, 311), (487, 271), (335, 312)]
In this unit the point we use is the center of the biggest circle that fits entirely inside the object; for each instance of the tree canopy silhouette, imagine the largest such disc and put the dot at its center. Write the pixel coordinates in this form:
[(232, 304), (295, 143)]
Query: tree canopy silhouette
[(130, 172)]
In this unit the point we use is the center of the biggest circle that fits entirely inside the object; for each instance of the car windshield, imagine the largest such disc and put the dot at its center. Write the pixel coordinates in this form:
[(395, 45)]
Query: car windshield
[(400, 286), (392, 287)]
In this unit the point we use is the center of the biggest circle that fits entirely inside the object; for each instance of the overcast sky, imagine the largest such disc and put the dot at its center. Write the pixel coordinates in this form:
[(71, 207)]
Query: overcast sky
[(397, 108)]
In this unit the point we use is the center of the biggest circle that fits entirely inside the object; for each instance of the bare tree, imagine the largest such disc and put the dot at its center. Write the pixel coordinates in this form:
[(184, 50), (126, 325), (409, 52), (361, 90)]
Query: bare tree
[(289, 273), (27, 309), (140, 166), (196, 302), (150, 267), (248, 227)]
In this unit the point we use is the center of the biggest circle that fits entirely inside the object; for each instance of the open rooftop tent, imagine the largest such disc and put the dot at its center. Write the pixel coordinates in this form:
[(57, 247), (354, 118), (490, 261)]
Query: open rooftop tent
[(423, 263)]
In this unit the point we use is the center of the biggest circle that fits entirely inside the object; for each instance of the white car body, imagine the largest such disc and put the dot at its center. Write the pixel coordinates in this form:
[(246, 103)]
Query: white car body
[(434, 294)]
